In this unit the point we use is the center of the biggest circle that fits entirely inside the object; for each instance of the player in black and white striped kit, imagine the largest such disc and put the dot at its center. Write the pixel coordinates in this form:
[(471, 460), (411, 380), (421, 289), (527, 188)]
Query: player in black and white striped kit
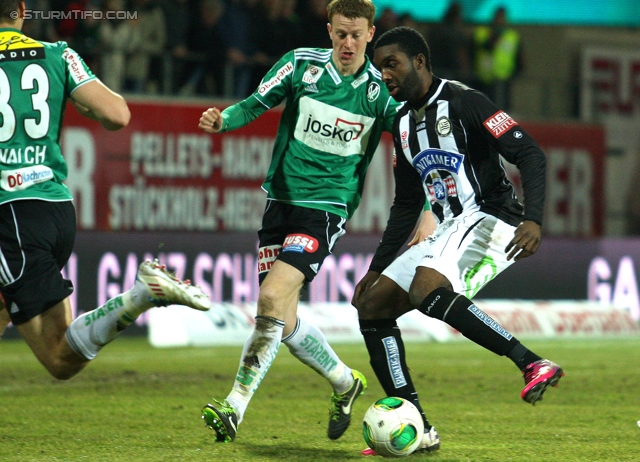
[(448, 141)]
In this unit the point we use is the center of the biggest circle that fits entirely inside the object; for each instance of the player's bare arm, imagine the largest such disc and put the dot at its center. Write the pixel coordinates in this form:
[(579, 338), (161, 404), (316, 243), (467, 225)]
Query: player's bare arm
[(425, 229), (525, 242), (96, 101), (211, 120)]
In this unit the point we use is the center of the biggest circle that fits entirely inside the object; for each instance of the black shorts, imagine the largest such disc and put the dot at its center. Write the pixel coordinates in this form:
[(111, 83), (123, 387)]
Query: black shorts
[(299, 236), (36, 240)]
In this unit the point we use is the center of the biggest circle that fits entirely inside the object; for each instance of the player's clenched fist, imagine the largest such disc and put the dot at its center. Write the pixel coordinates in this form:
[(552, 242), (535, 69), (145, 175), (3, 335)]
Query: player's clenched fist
[(211, 120)]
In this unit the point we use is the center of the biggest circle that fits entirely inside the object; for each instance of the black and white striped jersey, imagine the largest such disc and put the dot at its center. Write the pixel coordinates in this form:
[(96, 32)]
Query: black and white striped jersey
[(449, 151)]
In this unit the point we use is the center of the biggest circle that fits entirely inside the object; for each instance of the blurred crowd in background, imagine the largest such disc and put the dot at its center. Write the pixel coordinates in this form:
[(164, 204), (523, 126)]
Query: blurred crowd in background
[(222, 48)]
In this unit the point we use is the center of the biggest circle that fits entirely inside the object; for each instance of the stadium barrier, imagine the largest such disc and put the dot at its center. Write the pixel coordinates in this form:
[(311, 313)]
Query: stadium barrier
[(230, 324)]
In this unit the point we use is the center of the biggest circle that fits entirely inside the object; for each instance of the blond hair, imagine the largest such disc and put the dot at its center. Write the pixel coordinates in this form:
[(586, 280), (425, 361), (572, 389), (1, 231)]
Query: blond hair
[(352, 9)]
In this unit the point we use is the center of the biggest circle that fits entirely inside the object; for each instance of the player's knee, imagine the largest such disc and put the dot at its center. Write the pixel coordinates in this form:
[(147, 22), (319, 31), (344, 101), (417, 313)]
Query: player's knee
[(372, 306), (270, 303), (417, 296), (366, 306)]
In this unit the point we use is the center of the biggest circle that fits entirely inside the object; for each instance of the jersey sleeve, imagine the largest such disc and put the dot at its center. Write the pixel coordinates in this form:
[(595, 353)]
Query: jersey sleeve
[(277, 84), (77, 73), (408, 204), (240, 114), (511, 141)]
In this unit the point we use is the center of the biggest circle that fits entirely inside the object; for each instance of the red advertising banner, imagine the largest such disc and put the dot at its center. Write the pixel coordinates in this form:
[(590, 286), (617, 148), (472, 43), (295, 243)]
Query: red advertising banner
[(610, 78), (574, 204), (161, 173)]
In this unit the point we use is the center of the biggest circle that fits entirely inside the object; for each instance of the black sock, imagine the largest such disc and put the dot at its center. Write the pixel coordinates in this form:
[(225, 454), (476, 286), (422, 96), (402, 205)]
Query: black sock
[(461, 314), (387, 358), (522, 356)]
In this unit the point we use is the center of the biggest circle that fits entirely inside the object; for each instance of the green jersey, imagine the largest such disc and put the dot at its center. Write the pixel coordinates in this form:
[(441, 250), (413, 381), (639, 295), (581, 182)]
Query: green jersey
[(35, 80), (329, 129)]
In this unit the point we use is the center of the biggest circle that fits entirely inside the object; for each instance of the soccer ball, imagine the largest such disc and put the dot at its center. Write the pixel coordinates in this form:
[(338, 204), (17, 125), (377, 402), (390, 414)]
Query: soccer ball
[(393, 427)]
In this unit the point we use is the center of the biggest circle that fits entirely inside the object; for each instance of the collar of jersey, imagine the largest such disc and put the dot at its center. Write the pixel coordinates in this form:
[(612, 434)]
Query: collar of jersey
[(435, 85), (355, 75)]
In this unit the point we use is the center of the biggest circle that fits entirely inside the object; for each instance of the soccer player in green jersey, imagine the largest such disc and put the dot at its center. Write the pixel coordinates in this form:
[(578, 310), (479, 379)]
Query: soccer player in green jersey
[(336, 110), (37, 217)]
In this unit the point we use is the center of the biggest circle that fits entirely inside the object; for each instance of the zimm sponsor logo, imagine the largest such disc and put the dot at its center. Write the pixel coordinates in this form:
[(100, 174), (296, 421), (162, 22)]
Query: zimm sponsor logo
[(342, 130), (499, 123), (281, 74), (435, 159)]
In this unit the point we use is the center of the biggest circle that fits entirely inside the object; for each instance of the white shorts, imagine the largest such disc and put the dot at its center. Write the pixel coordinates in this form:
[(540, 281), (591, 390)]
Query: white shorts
[(468, 250)]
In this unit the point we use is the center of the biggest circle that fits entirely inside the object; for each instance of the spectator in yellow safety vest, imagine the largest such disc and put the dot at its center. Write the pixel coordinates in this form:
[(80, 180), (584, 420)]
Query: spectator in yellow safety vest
[(497, 58)]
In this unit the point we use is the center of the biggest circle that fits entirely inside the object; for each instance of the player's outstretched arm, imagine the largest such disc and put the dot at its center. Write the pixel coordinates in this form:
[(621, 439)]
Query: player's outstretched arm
[(525, 242), (96, 101), (211, 120)]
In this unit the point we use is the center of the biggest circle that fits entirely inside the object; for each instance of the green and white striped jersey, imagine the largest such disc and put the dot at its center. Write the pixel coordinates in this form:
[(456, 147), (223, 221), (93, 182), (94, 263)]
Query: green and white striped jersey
[(35, 80), (329, 130)]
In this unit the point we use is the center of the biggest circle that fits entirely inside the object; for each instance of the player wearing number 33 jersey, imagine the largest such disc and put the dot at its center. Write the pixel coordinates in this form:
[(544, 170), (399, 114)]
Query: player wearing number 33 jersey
[(37, 216), (31, 164)]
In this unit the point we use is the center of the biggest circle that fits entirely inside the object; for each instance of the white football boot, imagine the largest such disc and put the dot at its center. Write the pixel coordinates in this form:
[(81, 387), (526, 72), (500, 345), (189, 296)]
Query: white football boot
[(166, 289)]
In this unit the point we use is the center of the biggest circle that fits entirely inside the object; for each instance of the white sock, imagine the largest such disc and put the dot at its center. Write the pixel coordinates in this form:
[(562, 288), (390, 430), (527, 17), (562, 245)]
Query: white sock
[(310, 346), (89, 332), (258, 354)]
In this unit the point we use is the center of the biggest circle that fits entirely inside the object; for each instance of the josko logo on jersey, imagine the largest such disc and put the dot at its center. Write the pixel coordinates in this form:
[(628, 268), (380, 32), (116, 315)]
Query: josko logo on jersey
[(300, 243), (331, 129), (499, 123), (435, 159)]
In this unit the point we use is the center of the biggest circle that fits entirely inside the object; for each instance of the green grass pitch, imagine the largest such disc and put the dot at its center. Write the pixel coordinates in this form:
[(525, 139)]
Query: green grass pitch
[(137, 403)]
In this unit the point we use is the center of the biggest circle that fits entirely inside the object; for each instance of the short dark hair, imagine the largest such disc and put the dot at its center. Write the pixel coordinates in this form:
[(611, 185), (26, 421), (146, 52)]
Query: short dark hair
[(409, 40), (6, 8)]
